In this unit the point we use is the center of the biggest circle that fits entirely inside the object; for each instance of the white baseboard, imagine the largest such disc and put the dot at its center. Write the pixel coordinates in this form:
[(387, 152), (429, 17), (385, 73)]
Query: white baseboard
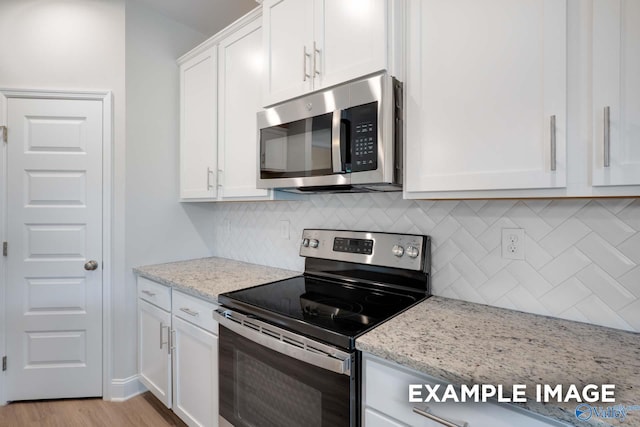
[(126, 388)]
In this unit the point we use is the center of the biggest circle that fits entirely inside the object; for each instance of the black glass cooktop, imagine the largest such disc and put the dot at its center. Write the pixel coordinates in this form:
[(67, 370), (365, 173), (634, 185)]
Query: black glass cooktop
[(334, 312)]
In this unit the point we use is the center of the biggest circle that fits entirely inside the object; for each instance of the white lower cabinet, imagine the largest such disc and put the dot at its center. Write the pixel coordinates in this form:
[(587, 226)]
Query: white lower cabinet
[(195, 374), (154, 359), (178, 352), (385, 403)]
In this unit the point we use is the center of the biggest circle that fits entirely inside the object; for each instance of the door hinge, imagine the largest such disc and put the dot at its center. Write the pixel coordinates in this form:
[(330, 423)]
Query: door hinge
[(5, 248), (3, 133), (4, 363)]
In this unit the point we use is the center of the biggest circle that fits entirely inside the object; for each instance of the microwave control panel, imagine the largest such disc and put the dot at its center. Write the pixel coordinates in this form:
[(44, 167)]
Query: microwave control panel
[(364, 137)]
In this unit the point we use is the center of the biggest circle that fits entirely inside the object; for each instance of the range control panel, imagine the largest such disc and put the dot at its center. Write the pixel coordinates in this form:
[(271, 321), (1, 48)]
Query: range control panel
[(354, 246), (408, 251)]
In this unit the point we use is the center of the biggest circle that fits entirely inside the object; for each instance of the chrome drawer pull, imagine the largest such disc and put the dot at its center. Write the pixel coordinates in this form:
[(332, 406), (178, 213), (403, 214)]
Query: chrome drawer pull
[(189, 312), (425, 412), (151, 294)]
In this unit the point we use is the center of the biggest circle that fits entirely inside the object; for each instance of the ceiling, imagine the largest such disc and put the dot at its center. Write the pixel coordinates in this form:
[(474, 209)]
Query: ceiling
[(205, 16)]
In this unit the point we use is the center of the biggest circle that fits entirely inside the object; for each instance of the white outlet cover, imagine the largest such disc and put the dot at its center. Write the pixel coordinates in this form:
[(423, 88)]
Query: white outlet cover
[(513, 243), (283, 226)]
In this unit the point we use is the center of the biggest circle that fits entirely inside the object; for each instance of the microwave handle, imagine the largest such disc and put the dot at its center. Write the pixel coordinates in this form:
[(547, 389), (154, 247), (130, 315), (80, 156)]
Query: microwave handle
[(336, 149)]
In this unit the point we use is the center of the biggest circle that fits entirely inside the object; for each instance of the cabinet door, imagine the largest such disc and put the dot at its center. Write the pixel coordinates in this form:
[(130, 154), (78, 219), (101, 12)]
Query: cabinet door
[(198, 120), (351, 38), (195, 374), (484, 80), (240, 77), (616, 87), (288, 44), (154, 360)]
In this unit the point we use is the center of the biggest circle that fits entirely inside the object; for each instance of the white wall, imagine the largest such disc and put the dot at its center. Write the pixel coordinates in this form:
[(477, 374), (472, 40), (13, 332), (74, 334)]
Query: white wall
[(72, 45), (158, 228)]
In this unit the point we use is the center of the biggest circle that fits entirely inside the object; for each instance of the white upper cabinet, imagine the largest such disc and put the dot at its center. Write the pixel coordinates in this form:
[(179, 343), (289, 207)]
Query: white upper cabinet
[(288, 44), (198, 133), (312, 44), (486, 95), (351, 39), (616, 92), (220, 96), (240, 79)]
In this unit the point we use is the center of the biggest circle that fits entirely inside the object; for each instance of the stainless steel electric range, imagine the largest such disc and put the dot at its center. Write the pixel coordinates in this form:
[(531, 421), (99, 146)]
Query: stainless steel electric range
[(287, 352)]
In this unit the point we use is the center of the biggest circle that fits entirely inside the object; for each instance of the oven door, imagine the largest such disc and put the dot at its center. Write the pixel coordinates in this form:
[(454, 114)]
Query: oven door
[(271, 377)]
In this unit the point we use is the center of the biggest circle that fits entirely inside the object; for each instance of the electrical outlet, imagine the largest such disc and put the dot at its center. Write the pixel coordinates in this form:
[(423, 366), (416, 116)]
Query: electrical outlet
[(513, 243), (283, 226)]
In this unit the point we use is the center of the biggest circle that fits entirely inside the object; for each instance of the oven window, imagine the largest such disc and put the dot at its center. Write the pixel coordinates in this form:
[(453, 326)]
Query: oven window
[(260, 387), (291, 404), (297, 149)]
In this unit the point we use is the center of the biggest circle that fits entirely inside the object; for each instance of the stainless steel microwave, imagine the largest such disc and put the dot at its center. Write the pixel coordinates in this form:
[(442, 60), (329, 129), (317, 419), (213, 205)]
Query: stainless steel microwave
[(344, 139)]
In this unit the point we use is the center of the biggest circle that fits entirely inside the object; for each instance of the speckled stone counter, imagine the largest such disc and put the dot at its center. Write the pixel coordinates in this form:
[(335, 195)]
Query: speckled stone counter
[(467, 343), (209, 277)]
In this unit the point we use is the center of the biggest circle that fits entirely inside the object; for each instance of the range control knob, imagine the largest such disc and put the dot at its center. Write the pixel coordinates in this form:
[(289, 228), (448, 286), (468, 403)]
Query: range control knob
[(398, 250), (412, 251), (314, 243), (305, 242)]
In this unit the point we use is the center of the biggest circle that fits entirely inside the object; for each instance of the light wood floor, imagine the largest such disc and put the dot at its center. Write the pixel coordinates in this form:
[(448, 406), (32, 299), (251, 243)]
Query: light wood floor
[(143, 410)]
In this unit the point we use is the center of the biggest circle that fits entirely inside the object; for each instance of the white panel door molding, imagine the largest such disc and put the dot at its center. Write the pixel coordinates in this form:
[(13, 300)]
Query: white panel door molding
[(55, 218)]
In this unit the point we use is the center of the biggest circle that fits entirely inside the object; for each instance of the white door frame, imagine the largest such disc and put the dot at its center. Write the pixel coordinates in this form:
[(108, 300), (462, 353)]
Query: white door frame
[(107, 147)]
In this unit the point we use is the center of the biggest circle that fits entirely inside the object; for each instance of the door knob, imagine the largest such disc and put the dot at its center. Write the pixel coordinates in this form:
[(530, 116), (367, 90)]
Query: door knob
[(91, 265)]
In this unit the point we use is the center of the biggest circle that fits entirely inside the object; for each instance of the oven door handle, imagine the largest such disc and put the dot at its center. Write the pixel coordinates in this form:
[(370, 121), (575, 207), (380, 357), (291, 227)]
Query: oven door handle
[(285, 342)]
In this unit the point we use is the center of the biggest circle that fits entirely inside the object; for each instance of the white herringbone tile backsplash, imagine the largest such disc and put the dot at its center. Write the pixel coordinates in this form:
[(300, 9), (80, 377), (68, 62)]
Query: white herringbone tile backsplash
[(582, 257)]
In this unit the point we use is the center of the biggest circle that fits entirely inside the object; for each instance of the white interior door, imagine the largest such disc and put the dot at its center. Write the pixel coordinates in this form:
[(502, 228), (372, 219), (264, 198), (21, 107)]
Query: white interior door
[(54, 218)]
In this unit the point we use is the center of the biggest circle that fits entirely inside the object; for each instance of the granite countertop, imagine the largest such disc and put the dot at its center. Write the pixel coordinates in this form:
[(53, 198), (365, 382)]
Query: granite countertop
[(467, 343), (209, 277)]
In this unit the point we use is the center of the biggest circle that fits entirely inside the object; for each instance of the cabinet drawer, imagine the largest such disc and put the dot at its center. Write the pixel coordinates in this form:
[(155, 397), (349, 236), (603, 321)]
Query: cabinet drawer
[(386, 390), (155, 293), (195, 310)]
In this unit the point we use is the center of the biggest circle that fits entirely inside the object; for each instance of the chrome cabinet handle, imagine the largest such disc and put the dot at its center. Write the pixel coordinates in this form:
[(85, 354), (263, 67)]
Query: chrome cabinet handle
[(220, 177), (189, 311), (425, 412), (161, 328), (171, 336), (607, 137), (305, 55), (209, 173), (553, 142), (149, 293), (316, 52)]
